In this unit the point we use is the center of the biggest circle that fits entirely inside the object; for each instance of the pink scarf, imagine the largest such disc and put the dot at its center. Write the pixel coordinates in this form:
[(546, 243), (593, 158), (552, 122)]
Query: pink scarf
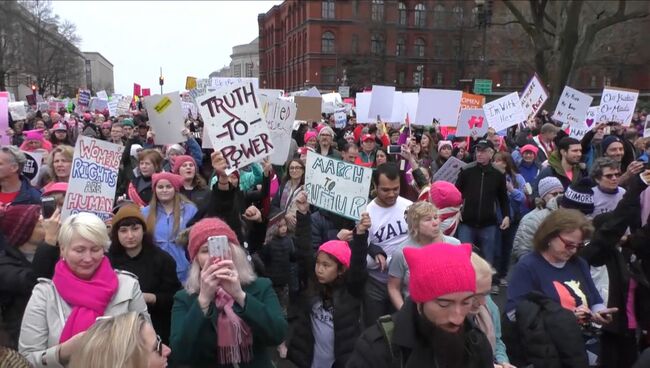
[(234, 337), (88, 298)]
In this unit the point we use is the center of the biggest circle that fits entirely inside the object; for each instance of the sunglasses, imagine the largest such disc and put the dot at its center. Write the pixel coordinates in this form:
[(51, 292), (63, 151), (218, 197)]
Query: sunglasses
[(612, 176), (570, 245), (159, 346)]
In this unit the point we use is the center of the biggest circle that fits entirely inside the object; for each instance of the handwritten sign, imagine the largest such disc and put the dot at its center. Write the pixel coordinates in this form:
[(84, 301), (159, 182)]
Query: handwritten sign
[(533, 97), (617, 104), (235, 124), (102, 94), (442, 105), (472, 123), (337, 186), (219, 83), (340, 118), (166, 117), (112, 106), (572, 107), (590, 118), (449, 171), (93, 178), (124, 106), (18, 110), (4, 118), (279, 115), (504, 112), (32, 167), (189, 109), (578, 131)]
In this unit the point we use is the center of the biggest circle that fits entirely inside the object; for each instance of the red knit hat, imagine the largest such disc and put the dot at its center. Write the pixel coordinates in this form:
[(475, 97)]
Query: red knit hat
[(55, 187), (439, 269), (17, 223), (338, 249), (202, 230), (180, 160), (444, 194), (175, 180)]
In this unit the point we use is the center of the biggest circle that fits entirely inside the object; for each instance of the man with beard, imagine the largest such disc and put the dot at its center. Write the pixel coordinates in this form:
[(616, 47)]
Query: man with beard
[(564, 163), (431, 329)]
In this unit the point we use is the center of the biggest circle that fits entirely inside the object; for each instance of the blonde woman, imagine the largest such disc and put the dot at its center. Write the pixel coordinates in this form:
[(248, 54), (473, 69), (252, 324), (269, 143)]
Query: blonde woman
[(59, 166), (125, 341)]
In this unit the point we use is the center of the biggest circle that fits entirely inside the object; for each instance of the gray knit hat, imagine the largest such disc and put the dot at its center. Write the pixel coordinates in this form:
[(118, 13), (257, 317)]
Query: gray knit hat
[(548, 184)]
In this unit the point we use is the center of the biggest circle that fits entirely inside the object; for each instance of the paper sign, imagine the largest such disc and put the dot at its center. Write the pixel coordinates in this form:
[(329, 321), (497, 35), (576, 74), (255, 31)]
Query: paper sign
[(124, 106), (533, 97), (272, 92), (309, 108), (112, 106), (572, 107), (449, 171), (189, 109), (410, 100), (32, 167), (235, 124), (504, 112), (381, 102), (190, 83), (399, 112), (93, 178), (279, 115), (472, 123), (103, 95), (166, 117), (442, 105), (4, 118), (470, 101), (646, 127), (578, 131), (340, 118), (18, 110), (590, 118), (84, 97), (337, 186), (219, 83), (617, 104), (363, 107), (312, 92)]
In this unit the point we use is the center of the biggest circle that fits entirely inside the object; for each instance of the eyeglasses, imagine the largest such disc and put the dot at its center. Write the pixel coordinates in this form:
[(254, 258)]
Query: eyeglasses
[(612, 175), (570, 245), (159, 345)]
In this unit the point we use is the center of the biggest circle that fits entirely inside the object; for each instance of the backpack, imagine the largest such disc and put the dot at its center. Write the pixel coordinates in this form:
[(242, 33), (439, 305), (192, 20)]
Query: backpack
[(387, 327)]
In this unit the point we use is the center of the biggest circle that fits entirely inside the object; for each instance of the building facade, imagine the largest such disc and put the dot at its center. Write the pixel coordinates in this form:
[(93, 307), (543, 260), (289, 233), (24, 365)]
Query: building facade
[(98, 72), (244, 62)]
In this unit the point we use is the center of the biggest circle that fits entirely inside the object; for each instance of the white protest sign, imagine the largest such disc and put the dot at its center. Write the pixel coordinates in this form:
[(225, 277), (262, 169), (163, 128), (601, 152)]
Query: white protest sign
[(235, 125), (471, 123), (363, 107), (312, 92), (112, 106), (504, 112), (441, 105), (98, 104), (189, 108), (280, 115), (218, 83), (93, 178), (32, 167), (337, 186), (381, 102), (4, 118), (102, 95), (166, 117), (18, 110), (124, 106), (340, 118), (572, 107), (533, 96), (272, 92), (449, 171), (578, 131), (330, 101), (399, 112), (344, 91), (410, 100), (646, 127), (590, 118), (617, 104)]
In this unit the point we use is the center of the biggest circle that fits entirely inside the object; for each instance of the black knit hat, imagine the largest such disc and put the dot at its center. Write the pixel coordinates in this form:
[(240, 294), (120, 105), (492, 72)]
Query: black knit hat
[(579, 196)]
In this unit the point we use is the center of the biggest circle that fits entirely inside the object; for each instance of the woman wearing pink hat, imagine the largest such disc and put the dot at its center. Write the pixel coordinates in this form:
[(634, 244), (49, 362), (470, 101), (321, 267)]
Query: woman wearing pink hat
[(194, 186), (34, 140)]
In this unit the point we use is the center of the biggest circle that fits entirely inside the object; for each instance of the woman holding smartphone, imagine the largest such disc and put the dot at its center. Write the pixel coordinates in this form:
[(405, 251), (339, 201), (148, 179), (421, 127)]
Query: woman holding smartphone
[(226, 315)]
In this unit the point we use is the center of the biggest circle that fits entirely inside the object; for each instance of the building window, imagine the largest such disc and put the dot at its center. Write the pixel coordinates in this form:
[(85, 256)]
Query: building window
[(420, 15), (355, 44), (377, 10), (327, 43), (439, 16), (377, 45), (438, 49), (458, 15), (401, 8), (455, 45), (401, 77), (355, 7), (249, 70), (440, 78), (419, 47), (523, 78), (592, 83), (327, 9), (401, 47), (507, 78), (417, 78), (236, 70), (328, 74)]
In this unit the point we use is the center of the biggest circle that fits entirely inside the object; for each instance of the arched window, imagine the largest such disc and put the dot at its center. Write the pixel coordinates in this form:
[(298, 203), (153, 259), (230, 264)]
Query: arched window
[(401, 9), (377, 44), (327, 43), (458, 15), (439, 16), (377, 10), (420, 15), (401, 47), (419, 47)]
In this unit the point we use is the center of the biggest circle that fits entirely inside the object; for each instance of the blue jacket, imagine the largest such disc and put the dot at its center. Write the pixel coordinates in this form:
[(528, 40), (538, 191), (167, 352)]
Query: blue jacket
[(165, 238), (27, 193)]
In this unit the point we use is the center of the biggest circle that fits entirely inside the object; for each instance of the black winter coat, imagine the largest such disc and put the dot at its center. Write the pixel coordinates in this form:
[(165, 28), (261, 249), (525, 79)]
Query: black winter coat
[(277, 254), (16, 283), (482, 187), (326, 225)]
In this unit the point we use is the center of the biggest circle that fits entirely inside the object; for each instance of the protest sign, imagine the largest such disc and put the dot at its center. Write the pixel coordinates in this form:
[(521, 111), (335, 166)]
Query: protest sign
[(381, 102), (18, 110), (32, 168), (4, 118), (84, 97), (137, 90), (55, 105), (363, 107), (312, 92), (98, 104), (340, 118), (124, 105), (590, 117), (344, 91), (146, 92), (617, 104), (533, 96), (43, 107), (504, 112), (235, 125), (470, 101), (330, 101), (337, 186), (189, 109), (112, 106), (441, 105), (166, 117), (272, 92), (572, 107), (93, 178), (218, 83), (646, 127), (410, 101), (578, 131), (471, 123), (279, 115), (190, 83), (309, 108), (103, 95), (399, 112), (449, 171)]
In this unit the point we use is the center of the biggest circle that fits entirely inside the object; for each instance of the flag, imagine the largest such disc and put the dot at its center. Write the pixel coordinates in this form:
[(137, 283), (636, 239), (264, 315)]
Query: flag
[(136, 89)]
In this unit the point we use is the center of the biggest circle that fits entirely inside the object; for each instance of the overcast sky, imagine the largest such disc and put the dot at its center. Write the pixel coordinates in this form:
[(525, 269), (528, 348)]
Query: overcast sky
[(183, 37)]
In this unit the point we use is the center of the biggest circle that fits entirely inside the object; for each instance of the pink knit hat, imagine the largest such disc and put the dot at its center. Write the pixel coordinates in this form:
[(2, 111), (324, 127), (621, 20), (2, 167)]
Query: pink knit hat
[(34, 135), (338, 249), (439, 269), (180, 160), (175, 180), (57, 187), (202, 230), (444, 194), (309, 135), (444, 143)]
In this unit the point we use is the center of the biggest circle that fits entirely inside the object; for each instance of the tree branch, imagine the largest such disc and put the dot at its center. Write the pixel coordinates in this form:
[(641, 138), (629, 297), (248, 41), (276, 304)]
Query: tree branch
[(520, 18), (618, 17)]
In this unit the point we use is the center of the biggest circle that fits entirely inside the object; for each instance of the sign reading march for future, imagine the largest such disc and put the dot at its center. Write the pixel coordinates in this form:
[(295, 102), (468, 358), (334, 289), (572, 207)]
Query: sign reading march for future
[(337, 186)]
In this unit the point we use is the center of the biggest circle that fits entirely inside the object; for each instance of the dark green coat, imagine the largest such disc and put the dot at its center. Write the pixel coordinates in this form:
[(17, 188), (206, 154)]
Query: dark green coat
[(193, 338)]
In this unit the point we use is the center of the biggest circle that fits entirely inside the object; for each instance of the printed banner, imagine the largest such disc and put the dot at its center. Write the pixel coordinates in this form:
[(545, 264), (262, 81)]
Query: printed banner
[(572, 107), (504, 112), (617, 104), (470, 101), (93, 178), (166, 117), (472, 123), (32, 168), (337, 186), (449, 171), (533, 97), (279, 115)]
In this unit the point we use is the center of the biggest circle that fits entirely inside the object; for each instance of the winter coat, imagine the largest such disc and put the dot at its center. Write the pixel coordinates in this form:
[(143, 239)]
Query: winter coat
[(482, 187), (523, 243), (277, 255), (16, 283), (27, 193), (326, 225), (555, 169)]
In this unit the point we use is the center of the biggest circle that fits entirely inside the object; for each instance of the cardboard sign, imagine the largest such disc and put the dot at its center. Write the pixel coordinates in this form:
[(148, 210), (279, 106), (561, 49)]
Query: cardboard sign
[(4, 118), (340, 118), (617, 104), (381, 102), (578, 131), (442, 105), (32, 168), (190, 83), (504, 112), (218, 83), (533, 97), (363, 107), (472, 123), (449, 171), (590, 117), (166, 117), (309, 108), (470, 101), (98, 104), (399, 113), (337, 186), (93, 178), (235, 124), (572, 107), (279, 115), (18, 110)]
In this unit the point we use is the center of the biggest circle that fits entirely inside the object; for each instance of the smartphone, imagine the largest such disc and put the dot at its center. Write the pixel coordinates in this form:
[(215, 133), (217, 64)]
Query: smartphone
[(218, 247), (394, 149), (48, 206), (607, 130)]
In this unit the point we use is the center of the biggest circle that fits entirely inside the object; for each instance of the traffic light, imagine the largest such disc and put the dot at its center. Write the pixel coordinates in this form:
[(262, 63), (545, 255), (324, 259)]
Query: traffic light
[(161, 80), (34, 90)]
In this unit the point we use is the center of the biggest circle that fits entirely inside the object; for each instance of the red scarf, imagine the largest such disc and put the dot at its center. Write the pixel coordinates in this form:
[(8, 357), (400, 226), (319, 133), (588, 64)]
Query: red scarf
[(234, 337), (88, 298)]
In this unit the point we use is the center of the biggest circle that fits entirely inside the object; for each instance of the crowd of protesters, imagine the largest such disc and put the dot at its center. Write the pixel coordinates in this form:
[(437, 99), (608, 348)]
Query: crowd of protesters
[(559, 224)]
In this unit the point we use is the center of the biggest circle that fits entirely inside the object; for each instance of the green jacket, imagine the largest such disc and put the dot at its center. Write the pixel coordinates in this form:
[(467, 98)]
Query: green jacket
[(193, 338)]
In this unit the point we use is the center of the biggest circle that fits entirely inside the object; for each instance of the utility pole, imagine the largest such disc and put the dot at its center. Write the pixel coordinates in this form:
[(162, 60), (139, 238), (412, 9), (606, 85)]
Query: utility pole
[(161, 81)]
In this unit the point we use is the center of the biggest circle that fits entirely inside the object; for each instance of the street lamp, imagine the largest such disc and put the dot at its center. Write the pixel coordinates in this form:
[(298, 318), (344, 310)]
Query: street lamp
[(484, 8)]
